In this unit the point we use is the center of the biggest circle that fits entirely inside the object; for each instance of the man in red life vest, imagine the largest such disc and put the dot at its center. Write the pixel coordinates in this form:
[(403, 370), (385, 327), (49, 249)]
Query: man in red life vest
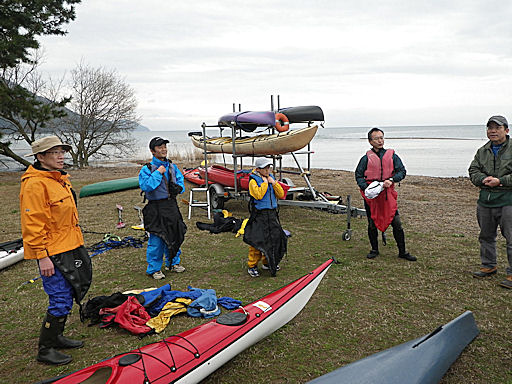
[(383, 165)]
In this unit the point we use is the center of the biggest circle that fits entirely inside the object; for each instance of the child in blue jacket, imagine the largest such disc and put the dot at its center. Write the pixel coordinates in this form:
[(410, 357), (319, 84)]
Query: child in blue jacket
[(263, 232)]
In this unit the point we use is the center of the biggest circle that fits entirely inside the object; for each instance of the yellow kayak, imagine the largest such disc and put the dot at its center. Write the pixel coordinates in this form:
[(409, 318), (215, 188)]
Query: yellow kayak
[(266, 144)]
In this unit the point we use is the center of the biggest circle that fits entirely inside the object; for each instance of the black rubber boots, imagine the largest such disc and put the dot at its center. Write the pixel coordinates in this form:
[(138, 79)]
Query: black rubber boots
[(51, 339)]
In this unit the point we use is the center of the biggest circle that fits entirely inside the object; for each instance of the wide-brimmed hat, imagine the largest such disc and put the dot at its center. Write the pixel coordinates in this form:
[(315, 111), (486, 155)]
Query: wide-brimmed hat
[(157, 141), (45, 143), (262, 162)]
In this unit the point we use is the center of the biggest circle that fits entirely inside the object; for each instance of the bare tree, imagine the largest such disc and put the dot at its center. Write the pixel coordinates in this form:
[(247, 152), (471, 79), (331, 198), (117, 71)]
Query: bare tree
[(27, 105), (21, 24), (103, 116)]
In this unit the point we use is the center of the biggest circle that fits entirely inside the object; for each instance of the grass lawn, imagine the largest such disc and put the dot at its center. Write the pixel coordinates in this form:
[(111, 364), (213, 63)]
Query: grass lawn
[(361, 307)]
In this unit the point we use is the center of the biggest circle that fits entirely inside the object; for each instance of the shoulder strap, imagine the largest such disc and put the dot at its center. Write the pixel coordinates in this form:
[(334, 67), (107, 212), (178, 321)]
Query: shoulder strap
[(250, 204), (142, 193)]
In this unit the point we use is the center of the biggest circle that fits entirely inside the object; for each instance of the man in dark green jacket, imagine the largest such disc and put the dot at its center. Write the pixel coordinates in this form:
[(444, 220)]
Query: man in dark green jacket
[(491, 171)]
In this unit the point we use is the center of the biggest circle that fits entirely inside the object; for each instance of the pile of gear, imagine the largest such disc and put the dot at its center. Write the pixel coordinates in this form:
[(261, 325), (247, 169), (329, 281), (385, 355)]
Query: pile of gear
[(145, 312)]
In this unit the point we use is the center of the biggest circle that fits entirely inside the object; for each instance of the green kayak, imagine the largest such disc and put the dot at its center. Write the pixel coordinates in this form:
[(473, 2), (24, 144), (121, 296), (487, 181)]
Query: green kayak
[(109, 186)]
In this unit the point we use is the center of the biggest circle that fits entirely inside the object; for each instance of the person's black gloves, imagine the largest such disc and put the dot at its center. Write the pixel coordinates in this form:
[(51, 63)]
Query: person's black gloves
[(174, 189)]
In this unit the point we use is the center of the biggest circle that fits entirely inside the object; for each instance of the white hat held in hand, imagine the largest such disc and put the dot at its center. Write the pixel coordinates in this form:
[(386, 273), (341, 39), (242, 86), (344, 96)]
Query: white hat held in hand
[(374, 189)]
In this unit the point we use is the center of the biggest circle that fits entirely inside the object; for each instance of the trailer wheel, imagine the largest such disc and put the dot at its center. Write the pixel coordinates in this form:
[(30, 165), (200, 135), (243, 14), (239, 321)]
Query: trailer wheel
[(346, 235), (216, 200)]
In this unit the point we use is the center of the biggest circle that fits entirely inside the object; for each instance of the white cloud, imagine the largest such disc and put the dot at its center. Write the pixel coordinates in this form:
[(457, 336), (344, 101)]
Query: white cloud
[(364, 62)]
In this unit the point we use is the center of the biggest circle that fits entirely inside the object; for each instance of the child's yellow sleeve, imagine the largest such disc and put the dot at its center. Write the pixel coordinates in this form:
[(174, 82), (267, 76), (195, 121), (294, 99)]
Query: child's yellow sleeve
[(278, 190), (257, 191)]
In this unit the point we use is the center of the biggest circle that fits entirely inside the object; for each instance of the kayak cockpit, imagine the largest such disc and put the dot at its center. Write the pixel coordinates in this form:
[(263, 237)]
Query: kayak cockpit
[(100, 376)]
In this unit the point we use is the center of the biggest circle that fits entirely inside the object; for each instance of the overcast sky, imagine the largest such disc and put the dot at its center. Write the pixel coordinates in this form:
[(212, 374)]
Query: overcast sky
[(364, 62)]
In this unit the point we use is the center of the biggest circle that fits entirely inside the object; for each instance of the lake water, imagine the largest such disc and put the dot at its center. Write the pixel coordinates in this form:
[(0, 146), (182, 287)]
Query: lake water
[(443, 151)]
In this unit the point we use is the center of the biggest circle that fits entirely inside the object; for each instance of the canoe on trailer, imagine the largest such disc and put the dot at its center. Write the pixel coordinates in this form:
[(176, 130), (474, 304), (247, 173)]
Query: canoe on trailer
[(109, 186), (217, 174), (192, 355), (304, 114), (421, 361), (11, 252), (266, 144), (225, 177), (248, 120), (192, 175)]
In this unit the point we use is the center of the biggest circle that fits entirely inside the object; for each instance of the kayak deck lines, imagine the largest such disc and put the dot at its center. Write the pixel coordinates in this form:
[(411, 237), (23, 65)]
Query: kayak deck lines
[(132, 358), (260, 304), (194, 354), (167, 343)]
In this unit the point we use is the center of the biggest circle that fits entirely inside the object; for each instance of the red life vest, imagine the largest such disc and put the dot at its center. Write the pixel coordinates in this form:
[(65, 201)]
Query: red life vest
[(377, 168), (384, 206)]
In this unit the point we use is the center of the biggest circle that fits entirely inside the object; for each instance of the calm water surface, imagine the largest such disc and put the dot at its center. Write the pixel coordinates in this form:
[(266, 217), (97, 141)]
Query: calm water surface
[(443, 151)]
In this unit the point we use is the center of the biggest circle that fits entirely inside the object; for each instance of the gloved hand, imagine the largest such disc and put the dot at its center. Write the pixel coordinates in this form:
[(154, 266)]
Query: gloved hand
[(175, 189), (241, 231)]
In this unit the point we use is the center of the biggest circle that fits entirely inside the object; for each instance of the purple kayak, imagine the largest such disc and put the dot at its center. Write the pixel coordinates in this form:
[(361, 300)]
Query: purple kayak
[(248, 120)]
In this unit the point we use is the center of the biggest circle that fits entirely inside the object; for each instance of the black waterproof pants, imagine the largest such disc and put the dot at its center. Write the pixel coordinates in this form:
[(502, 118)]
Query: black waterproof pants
[(264, 232)]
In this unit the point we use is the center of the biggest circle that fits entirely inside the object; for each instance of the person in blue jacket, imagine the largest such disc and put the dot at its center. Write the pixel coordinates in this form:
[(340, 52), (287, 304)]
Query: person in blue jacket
[(162, 181)]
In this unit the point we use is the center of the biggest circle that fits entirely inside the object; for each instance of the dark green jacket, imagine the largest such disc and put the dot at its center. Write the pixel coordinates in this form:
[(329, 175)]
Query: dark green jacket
[(486, 164)]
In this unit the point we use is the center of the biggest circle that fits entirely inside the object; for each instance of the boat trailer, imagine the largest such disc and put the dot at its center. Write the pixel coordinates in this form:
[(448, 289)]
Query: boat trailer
[(307, 197)]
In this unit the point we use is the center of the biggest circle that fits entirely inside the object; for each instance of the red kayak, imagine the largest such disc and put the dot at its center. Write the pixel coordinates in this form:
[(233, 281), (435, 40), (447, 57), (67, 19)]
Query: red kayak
[(192, 175), (225, 177), (192, 355)]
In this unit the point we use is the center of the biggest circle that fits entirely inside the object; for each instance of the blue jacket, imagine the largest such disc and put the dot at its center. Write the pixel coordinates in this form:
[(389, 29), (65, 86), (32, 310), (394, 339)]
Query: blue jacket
[(205, 305), (269, 200), (154, 184)]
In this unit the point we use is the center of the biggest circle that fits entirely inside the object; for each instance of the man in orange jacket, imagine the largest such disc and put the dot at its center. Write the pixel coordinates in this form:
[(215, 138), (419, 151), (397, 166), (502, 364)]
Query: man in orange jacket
[(51, 235)]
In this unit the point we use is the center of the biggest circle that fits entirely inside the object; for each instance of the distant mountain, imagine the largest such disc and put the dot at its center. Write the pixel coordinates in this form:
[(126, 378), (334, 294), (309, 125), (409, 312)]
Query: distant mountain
[(62, 125), (141, 128)]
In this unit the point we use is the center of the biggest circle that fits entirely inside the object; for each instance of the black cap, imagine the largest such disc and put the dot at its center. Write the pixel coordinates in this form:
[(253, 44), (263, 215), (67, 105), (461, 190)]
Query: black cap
[(500, 120), (156, 141)]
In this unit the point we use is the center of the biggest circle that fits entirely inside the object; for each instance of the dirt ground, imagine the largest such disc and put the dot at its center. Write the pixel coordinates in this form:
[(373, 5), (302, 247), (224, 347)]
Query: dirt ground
[(449, 203), (363, 306)]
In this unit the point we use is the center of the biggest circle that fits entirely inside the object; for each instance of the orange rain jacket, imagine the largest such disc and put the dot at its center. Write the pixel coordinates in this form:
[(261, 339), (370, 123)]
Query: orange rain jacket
[(49, 217)]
